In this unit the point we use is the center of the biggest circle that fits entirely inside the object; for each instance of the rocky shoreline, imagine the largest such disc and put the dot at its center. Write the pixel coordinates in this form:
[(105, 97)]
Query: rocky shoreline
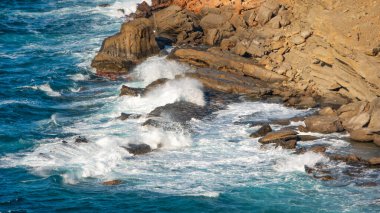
[(301, 54)]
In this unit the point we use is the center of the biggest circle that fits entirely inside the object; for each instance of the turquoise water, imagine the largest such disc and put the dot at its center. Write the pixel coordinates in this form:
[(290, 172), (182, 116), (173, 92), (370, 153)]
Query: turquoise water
[(48, 93)]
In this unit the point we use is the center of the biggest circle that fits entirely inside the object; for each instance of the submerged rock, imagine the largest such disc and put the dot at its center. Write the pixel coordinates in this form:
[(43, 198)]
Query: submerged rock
[(125, 116), (112, 182), (81, 139), (181, 111), (125, 90)]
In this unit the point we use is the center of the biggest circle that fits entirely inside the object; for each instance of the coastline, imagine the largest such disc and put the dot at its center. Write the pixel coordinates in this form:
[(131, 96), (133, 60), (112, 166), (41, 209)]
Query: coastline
[(262, 50)]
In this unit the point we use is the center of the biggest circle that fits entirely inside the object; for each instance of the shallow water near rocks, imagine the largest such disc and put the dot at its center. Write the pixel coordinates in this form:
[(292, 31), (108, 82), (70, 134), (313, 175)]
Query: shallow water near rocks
[(49, 93)]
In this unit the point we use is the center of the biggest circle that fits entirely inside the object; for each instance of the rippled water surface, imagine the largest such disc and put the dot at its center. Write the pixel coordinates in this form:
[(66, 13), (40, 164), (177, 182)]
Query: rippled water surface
[(49, 93)]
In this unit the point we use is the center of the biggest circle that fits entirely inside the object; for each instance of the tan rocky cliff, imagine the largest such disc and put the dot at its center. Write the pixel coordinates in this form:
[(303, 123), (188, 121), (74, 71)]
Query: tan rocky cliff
[(325, 48), (122, 51)]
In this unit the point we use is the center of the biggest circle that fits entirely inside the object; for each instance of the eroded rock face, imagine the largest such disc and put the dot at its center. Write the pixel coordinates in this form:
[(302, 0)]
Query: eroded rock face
[(225, 62), (119, 53), (172, 21)]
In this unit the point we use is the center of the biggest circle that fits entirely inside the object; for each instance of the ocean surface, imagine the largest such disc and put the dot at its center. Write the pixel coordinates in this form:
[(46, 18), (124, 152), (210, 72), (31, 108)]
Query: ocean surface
[(49, 93)]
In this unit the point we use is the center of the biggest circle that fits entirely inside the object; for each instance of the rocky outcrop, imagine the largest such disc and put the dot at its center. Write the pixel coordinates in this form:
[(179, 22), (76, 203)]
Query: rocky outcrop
[(119, 53)]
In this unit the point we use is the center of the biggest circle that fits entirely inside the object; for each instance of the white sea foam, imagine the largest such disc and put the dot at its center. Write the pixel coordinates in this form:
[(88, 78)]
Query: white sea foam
[(293, 163), (45, 88), (218, 153), (158, 67), (79, 77), (120, 8), (184, 89)]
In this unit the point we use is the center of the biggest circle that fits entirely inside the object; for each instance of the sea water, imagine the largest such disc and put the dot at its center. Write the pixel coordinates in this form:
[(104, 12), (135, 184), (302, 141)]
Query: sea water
[(49, 94)]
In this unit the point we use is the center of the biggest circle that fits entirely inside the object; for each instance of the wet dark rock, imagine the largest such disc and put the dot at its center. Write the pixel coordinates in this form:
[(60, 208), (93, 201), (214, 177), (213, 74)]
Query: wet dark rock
[(112, 182), (180, 112), (282, 122), (165, 125), (125, 90), (308, 169), (367, 184), (307, 137), (81, 139), (265, 129), (351, 158), (327, 178), (138, 149), (125, 116), (104, 5), (64, 142)]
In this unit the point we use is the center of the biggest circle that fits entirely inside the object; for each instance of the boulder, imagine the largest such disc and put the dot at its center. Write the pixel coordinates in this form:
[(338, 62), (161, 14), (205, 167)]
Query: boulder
[(357, 121), (279, 136), (363, 135), (374, 161), (125, 116), (119, 53), (265, 129), (138, 149), (324, 124)]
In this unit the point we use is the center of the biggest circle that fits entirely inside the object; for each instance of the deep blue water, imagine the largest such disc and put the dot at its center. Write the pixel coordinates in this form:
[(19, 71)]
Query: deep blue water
[(49, 93)]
